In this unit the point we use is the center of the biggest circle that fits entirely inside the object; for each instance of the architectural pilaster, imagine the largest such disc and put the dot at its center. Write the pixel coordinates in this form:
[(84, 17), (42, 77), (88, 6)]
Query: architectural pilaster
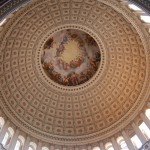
[(39, 146), (128, 140), (148, 104), (139, 133), (145, 119), (64, 148), (89, 147), (3, 131), (52, 147), (102, 147), (115, 144), (26, 144), (14, 140)]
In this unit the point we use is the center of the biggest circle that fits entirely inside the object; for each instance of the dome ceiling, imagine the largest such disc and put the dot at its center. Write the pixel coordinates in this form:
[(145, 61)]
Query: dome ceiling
[(85, 111)]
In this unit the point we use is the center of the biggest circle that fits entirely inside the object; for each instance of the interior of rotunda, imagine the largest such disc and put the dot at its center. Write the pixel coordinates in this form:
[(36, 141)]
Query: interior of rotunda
[(74, 75)]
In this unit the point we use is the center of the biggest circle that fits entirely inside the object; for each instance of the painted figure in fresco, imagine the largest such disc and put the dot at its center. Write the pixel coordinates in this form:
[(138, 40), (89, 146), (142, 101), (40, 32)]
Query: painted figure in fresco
[(97, 56), (42, 58), (74, 78), (77, 62), (65, 39), (90, 40), (60, 49), (50, 67), (73, 36), (65, 80), (93, 63), (83, 77), (49, 43), (90, 72)]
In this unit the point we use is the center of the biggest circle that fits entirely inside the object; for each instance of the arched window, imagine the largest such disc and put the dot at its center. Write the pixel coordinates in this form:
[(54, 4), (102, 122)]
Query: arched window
[(136, 142), (5, 138), (96, 148), (147, 113), (109, 146), (145, 130), (134, 7), (2, 22), (45, 148), (145, 18), (32, 146), (1, 123), (122, 143), (8, 137), (20, 143)]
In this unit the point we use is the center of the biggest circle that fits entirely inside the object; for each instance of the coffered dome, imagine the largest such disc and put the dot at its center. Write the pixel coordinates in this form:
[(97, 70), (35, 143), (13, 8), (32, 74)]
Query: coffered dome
[(32, 45)]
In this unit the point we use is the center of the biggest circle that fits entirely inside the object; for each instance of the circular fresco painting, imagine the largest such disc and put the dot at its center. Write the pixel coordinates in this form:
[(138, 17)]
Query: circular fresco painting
[(70, 57)]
